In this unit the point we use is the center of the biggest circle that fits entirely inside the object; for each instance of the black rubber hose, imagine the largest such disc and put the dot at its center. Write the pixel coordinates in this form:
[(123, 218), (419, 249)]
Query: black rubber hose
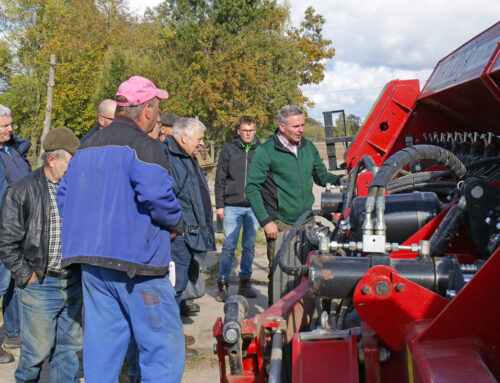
[(367, 163), (287, 269), (415, 178), (445, 234), (437, 186), (414, 153)]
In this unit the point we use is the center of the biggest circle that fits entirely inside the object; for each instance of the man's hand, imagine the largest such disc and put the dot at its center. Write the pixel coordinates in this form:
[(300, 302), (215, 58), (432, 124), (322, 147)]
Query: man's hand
[(271, 230), (220, 213), (32, 278)]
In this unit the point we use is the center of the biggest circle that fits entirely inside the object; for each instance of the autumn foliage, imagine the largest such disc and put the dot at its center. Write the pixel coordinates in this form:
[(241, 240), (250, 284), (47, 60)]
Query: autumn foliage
[(217, 58)]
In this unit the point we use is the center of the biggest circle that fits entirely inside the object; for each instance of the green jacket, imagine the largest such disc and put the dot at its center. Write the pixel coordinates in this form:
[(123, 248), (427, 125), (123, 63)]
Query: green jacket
[(279, 185)]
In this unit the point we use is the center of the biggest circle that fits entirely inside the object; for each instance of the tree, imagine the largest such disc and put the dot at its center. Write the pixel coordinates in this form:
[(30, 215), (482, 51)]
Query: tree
[(352, 122), (232, 57), (218, 59), (314, 130)]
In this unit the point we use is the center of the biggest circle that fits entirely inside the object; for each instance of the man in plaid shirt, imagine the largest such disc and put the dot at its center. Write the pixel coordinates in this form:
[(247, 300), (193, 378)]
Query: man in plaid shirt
[(50, 297)]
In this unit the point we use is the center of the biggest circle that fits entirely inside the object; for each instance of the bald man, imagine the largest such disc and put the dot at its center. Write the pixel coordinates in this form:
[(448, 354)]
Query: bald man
[(105, 116)]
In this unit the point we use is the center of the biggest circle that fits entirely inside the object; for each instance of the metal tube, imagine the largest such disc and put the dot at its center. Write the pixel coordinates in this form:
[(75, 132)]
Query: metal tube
[(276, 358), (369, 206), (380, 209)]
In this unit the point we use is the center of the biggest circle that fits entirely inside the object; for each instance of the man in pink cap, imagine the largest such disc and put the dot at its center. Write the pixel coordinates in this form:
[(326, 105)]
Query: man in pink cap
[(118, 210)]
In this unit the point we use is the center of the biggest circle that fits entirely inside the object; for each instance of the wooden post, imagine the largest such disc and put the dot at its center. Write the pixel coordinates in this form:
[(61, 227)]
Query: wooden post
[(48, 108)]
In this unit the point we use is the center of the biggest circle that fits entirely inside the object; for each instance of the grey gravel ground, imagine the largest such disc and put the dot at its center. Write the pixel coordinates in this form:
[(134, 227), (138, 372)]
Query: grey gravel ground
[(204, 367)]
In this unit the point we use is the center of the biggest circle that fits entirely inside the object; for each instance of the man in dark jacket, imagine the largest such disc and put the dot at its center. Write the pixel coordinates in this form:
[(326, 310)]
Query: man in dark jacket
[(50, 296), (280, 180), (196, 235), (118, 210), (233, 208), (13, 166)]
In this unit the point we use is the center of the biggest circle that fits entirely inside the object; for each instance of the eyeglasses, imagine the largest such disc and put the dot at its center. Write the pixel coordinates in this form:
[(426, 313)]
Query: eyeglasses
[(248, 131)]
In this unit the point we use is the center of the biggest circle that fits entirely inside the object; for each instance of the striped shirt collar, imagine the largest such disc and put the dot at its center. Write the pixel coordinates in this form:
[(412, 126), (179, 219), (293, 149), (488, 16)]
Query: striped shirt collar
[(287, 144)]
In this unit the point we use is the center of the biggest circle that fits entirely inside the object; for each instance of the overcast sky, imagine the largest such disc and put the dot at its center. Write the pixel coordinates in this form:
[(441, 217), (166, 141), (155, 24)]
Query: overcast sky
[(377, 41)]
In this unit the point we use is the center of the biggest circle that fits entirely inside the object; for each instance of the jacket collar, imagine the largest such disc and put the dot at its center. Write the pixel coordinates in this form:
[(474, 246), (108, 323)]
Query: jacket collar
[(279, 146), (174, 147), (237, 141), (122, 120), (21, 146)]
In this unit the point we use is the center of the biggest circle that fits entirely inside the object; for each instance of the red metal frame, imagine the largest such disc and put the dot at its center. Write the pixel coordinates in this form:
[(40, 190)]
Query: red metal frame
[(430, 338)]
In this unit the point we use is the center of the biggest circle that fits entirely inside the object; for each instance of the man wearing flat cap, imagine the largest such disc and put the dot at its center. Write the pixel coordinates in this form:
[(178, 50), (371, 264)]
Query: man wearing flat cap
[(50, 295), (167, 122), (118, 210)]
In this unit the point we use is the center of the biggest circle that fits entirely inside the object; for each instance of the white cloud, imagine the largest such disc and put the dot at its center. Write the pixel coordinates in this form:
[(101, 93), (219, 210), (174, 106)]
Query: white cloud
[(354, 87), (377, 41), (380, 40), (139, 6)]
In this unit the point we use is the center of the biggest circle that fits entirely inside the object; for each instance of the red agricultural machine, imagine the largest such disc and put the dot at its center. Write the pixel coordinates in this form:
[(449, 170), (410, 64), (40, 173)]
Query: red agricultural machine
[(403, 287)]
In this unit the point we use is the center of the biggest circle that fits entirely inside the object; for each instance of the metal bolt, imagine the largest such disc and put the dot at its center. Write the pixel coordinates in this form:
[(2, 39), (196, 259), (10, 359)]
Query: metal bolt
[(231, 335), (382, 288), (215, 348), (498, 226), (365, 290), (487, 220), (477, 192), (468, 268), (399, 287), (383, 354)]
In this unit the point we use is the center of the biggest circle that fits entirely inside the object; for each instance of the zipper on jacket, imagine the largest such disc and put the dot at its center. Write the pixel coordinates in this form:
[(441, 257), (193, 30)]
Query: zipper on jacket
[(246, 172), (301, 181)]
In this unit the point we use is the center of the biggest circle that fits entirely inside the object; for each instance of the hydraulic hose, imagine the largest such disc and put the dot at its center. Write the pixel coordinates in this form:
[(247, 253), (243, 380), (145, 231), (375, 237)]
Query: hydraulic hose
[(367, 163), (418, 178), (445, 234), (287, 269), (414, 153)]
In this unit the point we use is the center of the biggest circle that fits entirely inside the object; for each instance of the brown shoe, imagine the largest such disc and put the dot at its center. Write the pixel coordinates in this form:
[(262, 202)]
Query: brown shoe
[(189, 340), (223, 290), (191, 352), (245, 288)]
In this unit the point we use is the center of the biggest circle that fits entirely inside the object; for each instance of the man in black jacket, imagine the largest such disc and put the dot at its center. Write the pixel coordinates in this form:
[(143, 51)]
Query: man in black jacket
[(50, 296), (13, 166), (234, 209)]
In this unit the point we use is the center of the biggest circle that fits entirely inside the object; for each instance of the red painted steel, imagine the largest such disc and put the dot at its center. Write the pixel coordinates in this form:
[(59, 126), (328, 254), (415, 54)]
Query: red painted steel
[(474, 314), (369, 345), (388, 310), (384, 123), (431, 339), (325, 361)]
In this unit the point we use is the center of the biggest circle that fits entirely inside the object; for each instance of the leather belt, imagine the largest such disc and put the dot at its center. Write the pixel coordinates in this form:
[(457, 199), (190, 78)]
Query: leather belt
[(60, 274)]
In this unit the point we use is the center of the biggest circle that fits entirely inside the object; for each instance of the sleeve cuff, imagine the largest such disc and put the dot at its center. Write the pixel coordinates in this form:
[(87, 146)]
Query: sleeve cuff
[(266, 221)]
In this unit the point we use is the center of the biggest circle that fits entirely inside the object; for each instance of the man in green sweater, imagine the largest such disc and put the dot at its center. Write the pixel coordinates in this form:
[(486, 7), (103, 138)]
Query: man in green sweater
[(281, 176)]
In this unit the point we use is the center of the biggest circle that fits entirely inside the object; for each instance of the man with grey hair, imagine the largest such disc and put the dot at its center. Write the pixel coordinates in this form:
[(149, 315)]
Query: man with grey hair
[(280, 180), (196, 235), (14, 165), (50, 296), (105, 116)]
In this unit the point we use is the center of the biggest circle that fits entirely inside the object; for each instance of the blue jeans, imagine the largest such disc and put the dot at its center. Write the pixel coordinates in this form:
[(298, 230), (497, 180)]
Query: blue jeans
[(234, 218), (51, 327), (118, 307), (181, 255), (10, 303)]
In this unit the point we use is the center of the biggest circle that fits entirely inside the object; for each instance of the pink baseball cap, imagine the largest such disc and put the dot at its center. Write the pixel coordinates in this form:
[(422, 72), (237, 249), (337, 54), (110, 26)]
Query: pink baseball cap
[(138, 90)]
